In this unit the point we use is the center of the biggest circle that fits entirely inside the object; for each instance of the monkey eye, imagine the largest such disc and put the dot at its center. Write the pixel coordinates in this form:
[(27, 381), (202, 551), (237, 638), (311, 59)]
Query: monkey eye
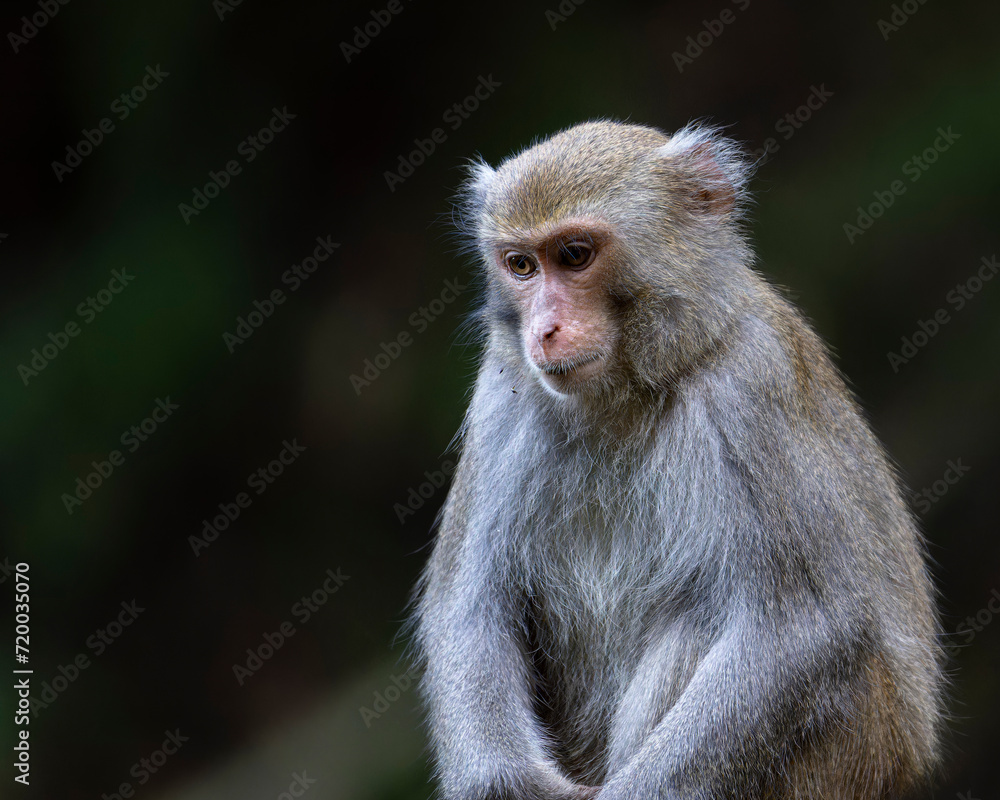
[(521, 265), (576, 254)]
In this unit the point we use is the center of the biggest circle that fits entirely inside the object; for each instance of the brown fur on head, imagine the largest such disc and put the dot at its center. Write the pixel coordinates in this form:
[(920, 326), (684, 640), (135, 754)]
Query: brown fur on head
[(661, 215)]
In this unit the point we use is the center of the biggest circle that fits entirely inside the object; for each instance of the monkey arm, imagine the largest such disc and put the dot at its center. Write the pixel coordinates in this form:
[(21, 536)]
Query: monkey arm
[(762, 684), (488, 738)]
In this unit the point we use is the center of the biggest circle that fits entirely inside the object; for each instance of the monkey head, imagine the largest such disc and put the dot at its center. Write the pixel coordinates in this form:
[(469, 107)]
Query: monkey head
[(613, 253)]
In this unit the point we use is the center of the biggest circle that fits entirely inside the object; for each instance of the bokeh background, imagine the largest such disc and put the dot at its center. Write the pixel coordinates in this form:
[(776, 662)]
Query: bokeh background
[(331, 709)]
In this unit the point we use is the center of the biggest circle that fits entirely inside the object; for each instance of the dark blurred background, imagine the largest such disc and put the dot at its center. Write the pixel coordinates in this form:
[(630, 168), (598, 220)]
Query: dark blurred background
[(329, 710)]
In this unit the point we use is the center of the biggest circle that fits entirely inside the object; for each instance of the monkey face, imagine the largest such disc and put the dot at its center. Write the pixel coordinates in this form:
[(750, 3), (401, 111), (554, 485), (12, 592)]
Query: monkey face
[(557, 278)]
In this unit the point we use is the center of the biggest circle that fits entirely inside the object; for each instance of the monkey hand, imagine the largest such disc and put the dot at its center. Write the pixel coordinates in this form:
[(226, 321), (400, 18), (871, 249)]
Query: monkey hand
[(633, 783), (544, 784)]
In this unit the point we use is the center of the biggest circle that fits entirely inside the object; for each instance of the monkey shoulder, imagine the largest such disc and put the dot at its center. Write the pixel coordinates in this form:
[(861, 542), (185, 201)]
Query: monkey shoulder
[(794, 449)]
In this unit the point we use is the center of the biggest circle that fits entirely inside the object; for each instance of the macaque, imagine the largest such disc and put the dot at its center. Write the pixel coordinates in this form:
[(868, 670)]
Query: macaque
[(674, 562)]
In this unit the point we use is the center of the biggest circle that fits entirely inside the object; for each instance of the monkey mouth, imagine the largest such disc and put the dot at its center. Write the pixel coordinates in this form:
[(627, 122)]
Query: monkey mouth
[(566, 366)]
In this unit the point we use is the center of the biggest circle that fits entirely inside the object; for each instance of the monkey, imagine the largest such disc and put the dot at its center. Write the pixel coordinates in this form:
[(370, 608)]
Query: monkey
[(674, 561)]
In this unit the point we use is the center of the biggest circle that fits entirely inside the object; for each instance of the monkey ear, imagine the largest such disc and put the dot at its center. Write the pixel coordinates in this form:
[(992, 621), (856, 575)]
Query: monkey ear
[(479, 178), (473, 195), (713, 170)]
